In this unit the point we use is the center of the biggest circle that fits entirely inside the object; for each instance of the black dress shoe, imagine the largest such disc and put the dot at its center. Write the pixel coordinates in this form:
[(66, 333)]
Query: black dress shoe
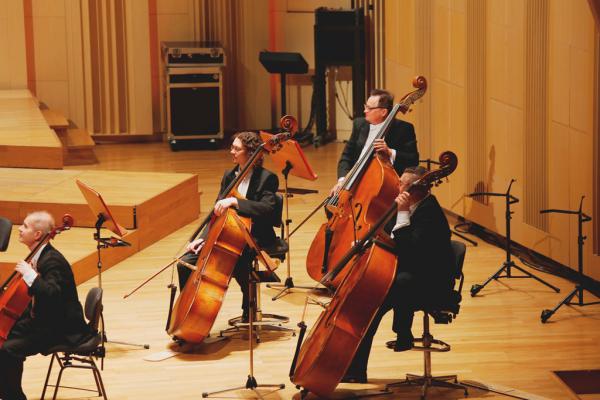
[(354, 378), (400, 344)]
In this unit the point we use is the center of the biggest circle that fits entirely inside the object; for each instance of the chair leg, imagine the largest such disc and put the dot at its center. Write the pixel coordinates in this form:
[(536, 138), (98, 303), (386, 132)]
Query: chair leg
[(98, 377), (48, 375), (427, 380), (62, 368)]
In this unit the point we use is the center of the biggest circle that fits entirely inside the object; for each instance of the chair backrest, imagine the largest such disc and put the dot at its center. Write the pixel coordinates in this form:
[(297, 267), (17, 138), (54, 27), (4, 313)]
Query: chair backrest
[(5, 229), (459, 249), (93, 307)]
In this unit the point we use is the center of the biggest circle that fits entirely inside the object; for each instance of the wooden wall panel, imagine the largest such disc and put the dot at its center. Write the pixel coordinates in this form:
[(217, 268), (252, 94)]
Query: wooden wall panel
[(13, 74), (535, 181), (476, 177), (423, 59), (596, 108), (521, 74)]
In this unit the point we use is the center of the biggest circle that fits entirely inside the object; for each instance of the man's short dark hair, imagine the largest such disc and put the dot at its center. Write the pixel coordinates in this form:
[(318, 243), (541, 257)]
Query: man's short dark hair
[(386, 99)]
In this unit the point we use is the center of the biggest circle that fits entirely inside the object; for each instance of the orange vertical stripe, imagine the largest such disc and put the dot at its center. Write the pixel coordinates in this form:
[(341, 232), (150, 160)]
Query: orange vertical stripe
[(154, 68), (29, 45)]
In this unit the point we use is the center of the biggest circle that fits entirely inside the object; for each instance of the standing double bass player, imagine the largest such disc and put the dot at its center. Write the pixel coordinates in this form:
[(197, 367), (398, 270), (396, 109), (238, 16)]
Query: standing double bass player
[(400, 145)]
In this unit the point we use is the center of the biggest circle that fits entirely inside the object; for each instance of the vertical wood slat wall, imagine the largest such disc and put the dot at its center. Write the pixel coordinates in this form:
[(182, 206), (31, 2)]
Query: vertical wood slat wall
[(596, 173), (423, 43), (476, 149), (108, 48), (374, 42), (535, 183)]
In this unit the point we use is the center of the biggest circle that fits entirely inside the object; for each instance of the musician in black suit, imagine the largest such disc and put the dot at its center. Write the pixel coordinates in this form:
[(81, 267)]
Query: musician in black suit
[(424, 271), (53, 316), (260, 204), (399, 146)]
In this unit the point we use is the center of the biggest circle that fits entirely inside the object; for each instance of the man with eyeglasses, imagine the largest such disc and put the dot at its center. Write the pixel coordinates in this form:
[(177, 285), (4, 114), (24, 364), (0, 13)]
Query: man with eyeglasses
[(399, 145)]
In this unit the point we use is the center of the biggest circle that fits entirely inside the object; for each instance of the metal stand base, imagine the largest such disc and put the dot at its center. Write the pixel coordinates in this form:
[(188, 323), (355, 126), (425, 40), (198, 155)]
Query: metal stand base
[(267, 322), (506, 266), (426, 382), (579, 290), (251, 384), (286, 288)]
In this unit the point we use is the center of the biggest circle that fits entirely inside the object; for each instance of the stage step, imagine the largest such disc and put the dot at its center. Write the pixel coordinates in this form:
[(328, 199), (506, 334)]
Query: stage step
[(78, 145)]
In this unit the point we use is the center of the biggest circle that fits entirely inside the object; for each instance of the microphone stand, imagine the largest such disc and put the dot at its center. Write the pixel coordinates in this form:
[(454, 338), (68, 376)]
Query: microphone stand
[(508, 264), (104, 243), (579, 287), (428, 162)]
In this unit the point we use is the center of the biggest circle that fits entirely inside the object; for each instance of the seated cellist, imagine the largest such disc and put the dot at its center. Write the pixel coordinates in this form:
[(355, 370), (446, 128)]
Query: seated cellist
[(53, 316), (258, 188), (424, 269)]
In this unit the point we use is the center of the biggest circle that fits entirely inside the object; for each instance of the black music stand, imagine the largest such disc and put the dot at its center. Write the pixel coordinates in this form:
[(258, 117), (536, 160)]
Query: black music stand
[(281, 63), (104, 216), (290, 158), (508, 264), (579, 287), (428, 162), (5, 230)]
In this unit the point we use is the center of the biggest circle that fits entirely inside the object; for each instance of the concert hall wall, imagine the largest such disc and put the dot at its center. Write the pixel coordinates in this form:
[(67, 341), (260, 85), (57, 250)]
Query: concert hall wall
[(513, 86), (513, 89)]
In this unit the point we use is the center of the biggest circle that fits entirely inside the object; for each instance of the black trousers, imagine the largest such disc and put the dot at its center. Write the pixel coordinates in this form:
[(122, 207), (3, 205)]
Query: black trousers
[(401, 299), (24, 339), (241, 272)]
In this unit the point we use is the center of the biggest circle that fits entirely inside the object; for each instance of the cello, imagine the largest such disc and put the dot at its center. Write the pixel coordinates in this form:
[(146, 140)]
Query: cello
[(321, 361), (361, 200), (199, 302), (14, 293)]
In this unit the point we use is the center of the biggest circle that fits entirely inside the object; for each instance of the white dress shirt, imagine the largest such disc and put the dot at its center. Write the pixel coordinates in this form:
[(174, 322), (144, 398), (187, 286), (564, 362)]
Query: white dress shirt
[(30, 275)]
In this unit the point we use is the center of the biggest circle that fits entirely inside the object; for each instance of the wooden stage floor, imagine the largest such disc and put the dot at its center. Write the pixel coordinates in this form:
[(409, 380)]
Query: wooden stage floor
[(149, 205), (497, 339)]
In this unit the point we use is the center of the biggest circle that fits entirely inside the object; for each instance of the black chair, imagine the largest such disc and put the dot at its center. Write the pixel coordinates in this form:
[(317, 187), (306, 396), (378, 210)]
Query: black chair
[(442, 313), (5, 229), (278, 250), (81, 355)]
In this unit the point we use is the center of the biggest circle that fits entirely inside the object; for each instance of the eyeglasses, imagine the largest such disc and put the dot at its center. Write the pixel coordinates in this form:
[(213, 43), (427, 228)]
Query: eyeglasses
[(369, 108), (236, 149)]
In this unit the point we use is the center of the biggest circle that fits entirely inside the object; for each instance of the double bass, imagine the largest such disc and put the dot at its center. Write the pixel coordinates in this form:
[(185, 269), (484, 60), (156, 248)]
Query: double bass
[(364, 195), (321, 361), (14, 293), (199, 302)]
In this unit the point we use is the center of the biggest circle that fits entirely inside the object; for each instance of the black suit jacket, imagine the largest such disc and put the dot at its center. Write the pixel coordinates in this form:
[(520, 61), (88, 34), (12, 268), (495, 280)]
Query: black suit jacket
[(57, 314), (401, 138), (424, 249), (56, 307), (260, 203)]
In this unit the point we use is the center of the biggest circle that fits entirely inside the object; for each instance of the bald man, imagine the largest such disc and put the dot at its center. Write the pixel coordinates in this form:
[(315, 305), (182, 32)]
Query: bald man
[(53, 316)]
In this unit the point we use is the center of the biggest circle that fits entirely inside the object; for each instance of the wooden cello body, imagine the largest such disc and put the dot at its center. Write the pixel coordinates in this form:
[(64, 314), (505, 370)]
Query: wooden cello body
[(358, 210), (200, 301), (14, 295), (335, 337), (366, 193)]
